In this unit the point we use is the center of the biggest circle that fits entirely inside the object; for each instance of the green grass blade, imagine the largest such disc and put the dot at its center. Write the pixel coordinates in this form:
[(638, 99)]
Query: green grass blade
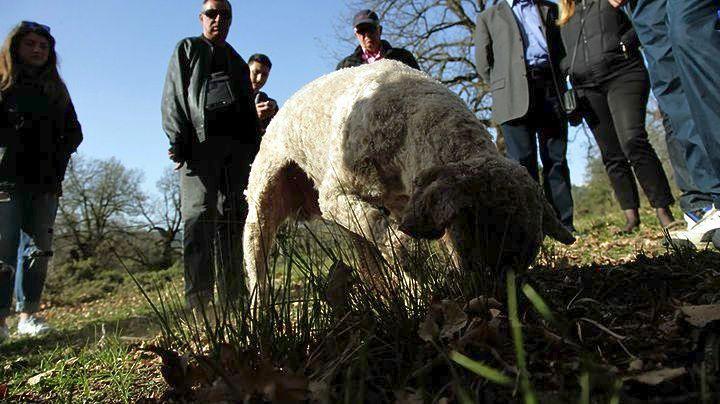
[(515, 326), (585, 388), (478, 368), (538, 302), (617, 388)]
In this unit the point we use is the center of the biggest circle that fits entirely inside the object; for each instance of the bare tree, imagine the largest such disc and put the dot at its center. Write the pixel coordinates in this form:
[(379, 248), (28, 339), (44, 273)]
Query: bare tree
[(98, 204), (440, 35), (162, 215)]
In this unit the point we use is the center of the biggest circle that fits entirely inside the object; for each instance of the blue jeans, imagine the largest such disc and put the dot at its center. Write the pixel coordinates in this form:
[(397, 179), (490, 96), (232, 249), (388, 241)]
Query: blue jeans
[(682, 46), (33, 214)]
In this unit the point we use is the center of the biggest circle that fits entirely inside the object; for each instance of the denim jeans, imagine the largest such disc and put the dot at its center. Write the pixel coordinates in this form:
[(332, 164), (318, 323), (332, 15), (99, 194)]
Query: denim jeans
[(542, 128), (691, 199), (33, 214), (682, 46)]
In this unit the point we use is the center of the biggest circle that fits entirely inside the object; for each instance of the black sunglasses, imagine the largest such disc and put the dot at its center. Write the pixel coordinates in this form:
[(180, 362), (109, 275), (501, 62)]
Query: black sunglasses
[(34, 25), (366, 29), (212, 13)]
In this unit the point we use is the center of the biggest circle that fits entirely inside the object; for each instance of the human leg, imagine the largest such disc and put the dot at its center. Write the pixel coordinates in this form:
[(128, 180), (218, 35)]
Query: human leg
[(685, 146), (230, 224), (198, 194), (38, 226), (10, 208), (691, 199), (627, 97), (696, 46), (521, 145), (619, 171)]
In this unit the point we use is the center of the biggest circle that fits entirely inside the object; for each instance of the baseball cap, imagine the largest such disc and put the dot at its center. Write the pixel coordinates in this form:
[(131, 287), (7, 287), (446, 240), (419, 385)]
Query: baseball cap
[(365, 17)]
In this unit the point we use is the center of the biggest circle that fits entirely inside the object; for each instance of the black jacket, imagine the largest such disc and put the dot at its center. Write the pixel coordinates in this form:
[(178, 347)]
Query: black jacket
[(388, 52), (183, 102), (607, 44), (37, 137)]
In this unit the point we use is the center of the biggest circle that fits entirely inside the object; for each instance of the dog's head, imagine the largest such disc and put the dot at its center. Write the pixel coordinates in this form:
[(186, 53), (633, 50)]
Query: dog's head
[(439, 194)]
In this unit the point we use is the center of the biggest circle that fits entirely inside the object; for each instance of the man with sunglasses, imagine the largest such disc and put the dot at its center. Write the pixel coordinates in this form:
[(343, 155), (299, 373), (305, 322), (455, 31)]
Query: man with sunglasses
[(210, 119), (372, 48)]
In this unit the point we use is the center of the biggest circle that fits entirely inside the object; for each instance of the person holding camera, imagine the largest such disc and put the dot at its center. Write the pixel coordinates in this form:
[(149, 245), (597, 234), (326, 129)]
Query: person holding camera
[(210, 119), (518, 51), (260, 66), (606, 69), (39, 131)]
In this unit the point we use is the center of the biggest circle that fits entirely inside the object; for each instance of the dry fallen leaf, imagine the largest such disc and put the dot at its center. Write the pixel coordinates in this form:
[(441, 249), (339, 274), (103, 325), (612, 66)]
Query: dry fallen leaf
[(339, 283), (429, 329), (655, 377), (636, 365), (700, 316), (407, 397), (35, 380), (454, 319)]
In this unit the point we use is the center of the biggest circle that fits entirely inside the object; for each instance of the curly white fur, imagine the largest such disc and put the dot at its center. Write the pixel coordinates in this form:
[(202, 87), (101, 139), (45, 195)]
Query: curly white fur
[(349, 146)]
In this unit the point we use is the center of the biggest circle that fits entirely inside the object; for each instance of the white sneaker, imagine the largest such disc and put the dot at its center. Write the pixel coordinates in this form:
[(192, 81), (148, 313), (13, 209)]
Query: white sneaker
[(693, 217), (4, 333), (700, 233), (33, 326)]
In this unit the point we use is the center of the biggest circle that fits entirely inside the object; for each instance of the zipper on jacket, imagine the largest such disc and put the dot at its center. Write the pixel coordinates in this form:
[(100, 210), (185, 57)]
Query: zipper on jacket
[(584, 36)]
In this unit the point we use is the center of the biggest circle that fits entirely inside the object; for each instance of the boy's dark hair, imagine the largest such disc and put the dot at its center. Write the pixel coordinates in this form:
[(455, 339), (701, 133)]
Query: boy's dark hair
[(262, 59)]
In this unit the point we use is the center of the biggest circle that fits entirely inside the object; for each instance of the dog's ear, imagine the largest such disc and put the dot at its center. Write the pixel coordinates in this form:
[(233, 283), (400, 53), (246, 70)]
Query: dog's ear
[(435, 201)]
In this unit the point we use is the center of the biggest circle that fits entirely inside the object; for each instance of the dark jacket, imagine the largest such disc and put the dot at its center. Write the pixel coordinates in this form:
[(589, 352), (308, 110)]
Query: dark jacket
[(262, 96), (183, 103), (388, 52), (500, 57), (37, 137), (606, 46)]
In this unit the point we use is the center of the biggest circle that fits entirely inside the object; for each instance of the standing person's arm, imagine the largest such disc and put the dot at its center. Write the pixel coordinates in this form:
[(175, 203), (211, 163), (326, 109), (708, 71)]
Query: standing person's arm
[(175, 115), (73, 130), (483, 50), (617, 3), (70, 139)]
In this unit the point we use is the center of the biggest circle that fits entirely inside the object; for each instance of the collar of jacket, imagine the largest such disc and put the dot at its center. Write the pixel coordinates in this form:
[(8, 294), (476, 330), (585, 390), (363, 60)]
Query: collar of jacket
[(383, 50), (513, 2), (543, 6)]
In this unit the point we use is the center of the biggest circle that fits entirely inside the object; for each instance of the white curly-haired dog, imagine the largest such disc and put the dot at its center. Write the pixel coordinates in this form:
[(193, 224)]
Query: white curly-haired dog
[(384, 147)]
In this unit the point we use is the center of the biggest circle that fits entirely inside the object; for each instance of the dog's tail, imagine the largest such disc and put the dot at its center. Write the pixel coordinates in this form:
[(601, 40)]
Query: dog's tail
[(554, 228)]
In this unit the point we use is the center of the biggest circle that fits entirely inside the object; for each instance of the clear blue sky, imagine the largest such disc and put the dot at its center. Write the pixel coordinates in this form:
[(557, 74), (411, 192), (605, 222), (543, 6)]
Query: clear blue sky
[(114, 55)]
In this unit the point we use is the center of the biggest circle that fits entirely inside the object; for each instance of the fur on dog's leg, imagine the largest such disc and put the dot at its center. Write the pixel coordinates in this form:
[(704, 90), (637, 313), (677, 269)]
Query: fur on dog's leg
[(554, 228), (285, 192), (374, 236)]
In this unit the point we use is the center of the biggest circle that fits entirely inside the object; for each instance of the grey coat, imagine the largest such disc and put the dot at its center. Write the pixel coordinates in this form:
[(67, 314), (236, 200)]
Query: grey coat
[(500, 57)]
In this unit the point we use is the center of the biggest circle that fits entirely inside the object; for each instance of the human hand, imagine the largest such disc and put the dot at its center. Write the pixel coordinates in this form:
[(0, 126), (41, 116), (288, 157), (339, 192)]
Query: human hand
[(178, 163), (266, 109), (617, 3)]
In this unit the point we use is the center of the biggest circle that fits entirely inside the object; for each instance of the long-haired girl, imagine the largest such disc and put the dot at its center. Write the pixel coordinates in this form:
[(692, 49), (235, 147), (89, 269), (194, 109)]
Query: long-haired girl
[(39, 131)]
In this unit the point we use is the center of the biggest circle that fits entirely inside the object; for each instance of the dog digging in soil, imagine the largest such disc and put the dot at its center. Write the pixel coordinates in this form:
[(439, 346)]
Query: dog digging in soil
[(390, 154)]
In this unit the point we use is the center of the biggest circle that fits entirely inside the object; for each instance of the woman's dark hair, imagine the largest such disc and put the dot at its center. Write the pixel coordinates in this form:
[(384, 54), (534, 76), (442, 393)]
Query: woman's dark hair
[(262, 59), (11, 67)]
